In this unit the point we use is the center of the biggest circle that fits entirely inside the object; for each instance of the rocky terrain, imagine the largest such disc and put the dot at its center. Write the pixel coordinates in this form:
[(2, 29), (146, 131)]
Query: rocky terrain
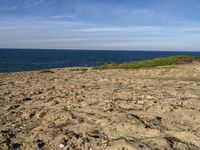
[(86, 109)]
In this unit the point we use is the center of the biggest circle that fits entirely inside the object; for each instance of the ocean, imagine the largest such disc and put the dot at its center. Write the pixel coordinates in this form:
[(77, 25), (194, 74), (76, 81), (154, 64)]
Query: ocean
[(16, 60)]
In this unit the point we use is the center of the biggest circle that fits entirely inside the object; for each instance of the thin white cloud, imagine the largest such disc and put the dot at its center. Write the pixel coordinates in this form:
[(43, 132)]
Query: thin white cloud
[(8, 8), (117, 29), (62, 17), (103, 29), (57, 40), (191, 29), (35, 2), (140, 12), (38, 2)]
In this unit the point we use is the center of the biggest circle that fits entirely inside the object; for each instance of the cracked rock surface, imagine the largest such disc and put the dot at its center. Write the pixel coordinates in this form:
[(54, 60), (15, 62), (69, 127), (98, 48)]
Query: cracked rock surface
[(86, 109)]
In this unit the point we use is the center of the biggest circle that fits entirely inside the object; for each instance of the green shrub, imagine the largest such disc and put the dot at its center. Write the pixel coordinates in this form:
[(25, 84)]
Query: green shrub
[(172, 60)]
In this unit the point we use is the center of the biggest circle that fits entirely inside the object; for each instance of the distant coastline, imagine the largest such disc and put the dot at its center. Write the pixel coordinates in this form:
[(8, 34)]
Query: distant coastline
[(17, 60)]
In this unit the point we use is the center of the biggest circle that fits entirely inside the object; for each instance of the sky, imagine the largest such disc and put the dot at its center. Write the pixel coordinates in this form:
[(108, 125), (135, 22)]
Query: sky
[(101, 24)]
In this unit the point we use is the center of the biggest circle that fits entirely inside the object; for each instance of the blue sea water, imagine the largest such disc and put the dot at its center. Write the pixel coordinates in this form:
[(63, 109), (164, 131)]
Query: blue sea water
[(15, 60)]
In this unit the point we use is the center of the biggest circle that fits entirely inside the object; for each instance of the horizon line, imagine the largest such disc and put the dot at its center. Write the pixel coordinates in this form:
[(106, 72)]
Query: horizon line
[(156, 50)]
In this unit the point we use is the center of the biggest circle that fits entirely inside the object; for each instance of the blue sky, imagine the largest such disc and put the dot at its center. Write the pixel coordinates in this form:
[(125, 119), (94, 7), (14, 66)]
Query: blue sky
[(101, 24)]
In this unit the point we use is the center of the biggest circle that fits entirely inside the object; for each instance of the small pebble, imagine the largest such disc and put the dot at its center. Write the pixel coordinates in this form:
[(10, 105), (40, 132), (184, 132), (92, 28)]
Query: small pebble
[(61, 145), (140, 102)]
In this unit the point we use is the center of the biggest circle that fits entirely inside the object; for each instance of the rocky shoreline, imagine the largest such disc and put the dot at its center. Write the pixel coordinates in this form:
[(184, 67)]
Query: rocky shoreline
[(88, 109)]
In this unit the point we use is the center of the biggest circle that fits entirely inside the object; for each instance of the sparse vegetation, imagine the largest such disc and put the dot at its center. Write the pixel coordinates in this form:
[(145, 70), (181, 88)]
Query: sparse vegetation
[(78, 69), (172, 60), (46, 71)]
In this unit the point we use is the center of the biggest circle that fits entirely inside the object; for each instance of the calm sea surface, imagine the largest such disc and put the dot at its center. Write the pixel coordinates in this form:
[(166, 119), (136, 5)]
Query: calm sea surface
[(14, 60)]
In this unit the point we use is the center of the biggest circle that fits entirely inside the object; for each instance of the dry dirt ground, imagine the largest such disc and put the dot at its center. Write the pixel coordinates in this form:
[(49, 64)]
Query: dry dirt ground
[(85, 109)]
